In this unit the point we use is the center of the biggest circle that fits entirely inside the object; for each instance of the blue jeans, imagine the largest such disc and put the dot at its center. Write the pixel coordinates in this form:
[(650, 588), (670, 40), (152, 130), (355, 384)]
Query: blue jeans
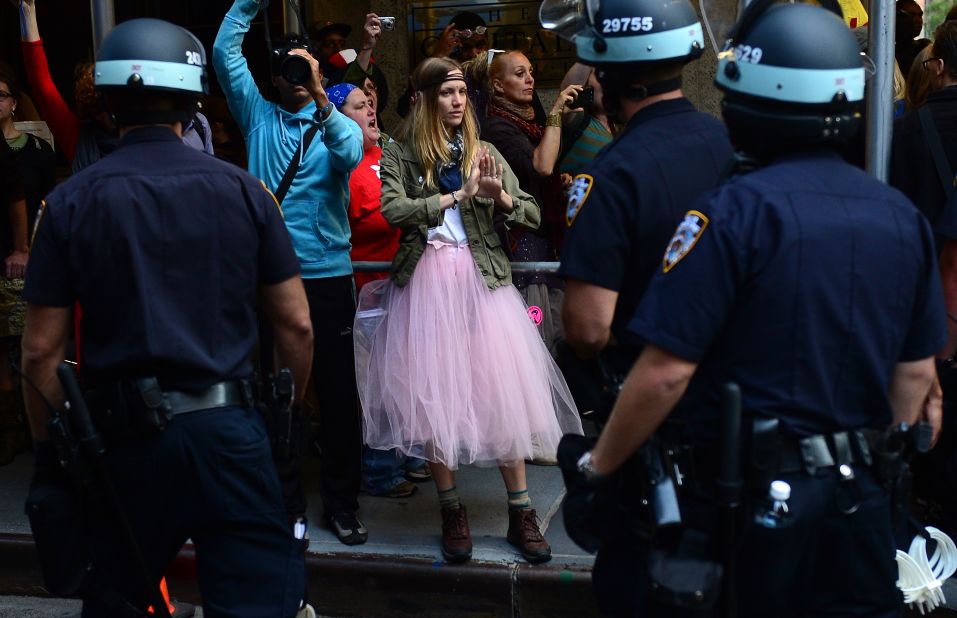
[(383, 470)]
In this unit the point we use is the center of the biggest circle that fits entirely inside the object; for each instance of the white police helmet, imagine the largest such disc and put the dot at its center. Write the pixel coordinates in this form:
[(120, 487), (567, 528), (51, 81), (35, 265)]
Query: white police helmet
[(624, 32), (791, 71), (148, 55)]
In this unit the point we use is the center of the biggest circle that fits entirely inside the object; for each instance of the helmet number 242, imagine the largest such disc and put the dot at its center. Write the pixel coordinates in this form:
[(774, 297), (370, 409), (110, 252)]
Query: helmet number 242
[(624, 24)]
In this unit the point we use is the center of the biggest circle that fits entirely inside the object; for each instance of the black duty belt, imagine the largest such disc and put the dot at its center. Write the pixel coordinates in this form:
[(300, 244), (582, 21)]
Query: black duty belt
[(824, 451), (146, 393), (219, 395)]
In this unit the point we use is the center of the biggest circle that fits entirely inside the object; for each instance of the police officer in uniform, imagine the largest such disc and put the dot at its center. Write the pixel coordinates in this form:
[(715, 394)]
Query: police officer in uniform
[(813, 287), (624, 207), (166, 249)]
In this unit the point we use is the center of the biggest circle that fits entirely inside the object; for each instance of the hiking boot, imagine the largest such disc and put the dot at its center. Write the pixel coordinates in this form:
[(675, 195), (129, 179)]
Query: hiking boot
[(524, 534), (456, 540), (402, 489)]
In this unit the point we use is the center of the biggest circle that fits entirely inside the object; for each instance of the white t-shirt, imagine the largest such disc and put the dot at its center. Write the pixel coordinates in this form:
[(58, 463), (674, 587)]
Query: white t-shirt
[(451, 231)]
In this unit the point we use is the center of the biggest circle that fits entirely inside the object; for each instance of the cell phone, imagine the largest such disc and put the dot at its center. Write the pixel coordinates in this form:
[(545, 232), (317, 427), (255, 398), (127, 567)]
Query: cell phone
[(388, 23), (584, 99)]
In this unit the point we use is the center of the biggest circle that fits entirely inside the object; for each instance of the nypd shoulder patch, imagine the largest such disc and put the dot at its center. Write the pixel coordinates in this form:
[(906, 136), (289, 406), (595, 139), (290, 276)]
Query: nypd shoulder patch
[(577, 194), (36, 224), (689, 231), (263, 183)]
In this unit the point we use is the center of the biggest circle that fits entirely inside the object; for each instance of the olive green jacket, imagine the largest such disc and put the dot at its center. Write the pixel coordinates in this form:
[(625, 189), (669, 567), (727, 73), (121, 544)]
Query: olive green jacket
[(413, 207)]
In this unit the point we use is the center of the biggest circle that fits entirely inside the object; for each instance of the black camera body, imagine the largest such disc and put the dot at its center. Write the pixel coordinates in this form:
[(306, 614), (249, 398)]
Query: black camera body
[(292, 68)]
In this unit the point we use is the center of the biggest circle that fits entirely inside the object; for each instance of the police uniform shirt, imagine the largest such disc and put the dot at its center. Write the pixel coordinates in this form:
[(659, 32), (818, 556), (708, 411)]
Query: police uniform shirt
[(164, 247), (625, 207), (805, 282)]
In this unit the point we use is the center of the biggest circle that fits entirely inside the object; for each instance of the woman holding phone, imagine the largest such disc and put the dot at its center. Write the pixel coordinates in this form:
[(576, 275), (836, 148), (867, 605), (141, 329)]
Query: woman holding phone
[(530, 145), (449, 366)]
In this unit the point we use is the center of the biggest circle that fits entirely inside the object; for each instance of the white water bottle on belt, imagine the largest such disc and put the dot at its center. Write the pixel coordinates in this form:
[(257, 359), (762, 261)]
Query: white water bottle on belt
[(773, 511)]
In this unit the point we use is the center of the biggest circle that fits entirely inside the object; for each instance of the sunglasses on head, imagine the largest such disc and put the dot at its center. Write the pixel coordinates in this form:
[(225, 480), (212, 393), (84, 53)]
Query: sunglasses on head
[(468, 33)]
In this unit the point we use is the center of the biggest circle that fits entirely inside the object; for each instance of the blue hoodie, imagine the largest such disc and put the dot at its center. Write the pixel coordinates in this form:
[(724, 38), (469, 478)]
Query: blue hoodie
[(316, 206)]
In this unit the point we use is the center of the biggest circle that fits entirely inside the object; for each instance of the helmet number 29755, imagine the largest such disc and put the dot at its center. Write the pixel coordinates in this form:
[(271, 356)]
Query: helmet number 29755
[(626, 24)]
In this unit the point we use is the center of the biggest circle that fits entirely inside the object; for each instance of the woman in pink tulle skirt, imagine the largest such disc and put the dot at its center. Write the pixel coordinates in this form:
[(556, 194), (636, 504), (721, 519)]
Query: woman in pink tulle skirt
[(450, 367)]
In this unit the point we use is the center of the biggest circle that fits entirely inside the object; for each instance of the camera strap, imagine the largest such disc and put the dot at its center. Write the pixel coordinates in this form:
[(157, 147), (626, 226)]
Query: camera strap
[(932, 136), (293, 166)]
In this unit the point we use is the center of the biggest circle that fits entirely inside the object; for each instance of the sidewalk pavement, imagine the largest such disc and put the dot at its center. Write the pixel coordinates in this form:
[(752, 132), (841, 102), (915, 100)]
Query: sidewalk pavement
[(400, 570)]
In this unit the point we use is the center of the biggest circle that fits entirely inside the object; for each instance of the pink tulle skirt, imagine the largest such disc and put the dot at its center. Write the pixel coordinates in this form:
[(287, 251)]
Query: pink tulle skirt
[(455, 373)]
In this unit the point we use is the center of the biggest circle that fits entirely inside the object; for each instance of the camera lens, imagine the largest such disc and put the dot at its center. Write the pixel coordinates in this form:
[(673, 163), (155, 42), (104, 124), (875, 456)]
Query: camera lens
[(295, 70)]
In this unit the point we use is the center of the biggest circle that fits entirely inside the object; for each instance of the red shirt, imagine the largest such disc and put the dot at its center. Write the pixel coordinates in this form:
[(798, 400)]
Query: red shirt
[(373, 239), (63, 123)]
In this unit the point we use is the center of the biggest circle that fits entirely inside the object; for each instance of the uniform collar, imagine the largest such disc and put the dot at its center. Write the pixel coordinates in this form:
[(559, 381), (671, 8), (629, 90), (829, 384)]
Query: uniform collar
[(804, 154), (660, 109), (148, 134)]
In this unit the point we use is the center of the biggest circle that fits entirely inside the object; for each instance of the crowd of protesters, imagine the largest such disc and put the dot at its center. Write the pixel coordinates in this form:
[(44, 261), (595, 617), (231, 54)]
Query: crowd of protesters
[(453, 355)]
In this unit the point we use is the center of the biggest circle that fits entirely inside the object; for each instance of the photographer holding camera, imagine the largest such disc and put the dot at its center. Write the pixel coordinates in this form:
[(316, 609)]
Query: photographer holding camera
[(304, 150)]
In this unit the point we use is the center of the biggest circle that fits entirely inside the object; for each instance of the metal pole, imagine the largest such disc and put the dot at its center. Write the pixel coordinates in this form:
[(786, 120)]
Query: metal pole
[(104, 18), (290, 22), (880, 89)]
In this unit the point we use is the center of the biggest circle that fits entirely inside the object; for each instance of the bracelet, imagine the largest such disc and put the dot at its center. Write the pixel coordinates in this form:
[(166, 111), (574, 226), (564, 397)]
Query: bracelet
[(554, 120), (455, 201)]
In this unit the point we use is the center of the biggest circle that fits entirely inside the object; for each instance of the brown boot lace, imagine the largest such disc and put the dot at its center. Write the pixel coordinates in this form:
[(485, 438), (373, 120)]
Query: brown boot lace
[(455, 523)]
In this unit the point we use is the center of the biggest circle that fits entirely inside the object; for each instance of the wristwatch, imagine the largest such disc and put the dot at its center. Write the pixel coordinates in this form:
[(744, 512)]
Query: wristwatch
[(586, 467)]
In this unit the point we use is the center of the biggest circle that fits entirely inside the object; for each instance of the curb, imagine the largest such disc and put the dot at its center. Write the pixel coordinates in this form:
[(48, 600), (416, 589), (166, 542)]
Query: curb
[(374, 586)]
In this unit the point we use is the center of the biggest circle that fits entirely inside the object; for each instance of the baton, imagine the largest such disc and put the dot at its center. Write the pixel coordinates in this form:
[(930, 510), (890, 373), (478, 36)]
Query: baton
[(728, 491), (92, 445)]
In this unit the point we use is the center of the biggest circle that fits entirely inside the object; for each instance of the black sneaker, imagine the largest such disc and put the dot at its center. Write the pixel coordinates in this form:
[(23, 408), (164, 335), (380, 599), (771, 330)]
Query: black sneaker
[(347, 527)]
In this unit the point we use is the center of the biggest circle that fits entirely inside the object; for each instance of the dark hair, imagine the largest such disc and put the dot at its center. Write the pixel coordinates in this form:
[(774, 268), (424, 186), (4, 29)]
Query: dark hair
[(945, 46), (467, 20), (951, 14), (8, 77)]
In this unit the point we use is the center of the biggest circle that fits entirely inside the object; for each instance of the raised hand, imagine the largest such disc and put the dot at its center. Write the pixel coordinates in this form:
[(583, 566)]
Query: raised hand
[(448, 41), (471, 186), (490, 177), (371, 31), (565, 97)]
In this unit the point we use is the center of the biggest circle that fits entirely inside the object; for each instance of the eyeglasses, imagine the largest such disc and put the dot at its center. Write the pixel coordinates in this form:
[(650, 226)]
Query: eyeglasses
[(5, 95), (924, 63)]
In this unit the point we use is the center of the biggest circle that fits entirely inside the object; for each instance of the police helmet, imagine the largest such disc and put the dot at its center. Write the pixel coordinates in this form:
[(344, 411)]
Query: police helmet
[(791, 74), (151, 57), (626, 32)]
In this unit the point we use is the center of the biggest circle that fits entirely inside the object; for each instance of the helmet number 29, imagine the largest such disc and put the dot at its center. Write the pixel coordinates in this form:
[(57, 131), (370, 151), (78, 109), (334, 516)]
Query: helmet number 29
[(193, 57), (746, 53), (625, 24)]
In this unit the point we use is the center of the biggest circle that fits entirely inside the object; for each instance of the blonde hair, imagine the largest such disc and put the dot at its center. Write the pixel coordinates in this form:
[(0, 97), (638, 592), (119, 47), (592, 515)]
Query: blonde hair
[(424, 130), (481, 72)]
